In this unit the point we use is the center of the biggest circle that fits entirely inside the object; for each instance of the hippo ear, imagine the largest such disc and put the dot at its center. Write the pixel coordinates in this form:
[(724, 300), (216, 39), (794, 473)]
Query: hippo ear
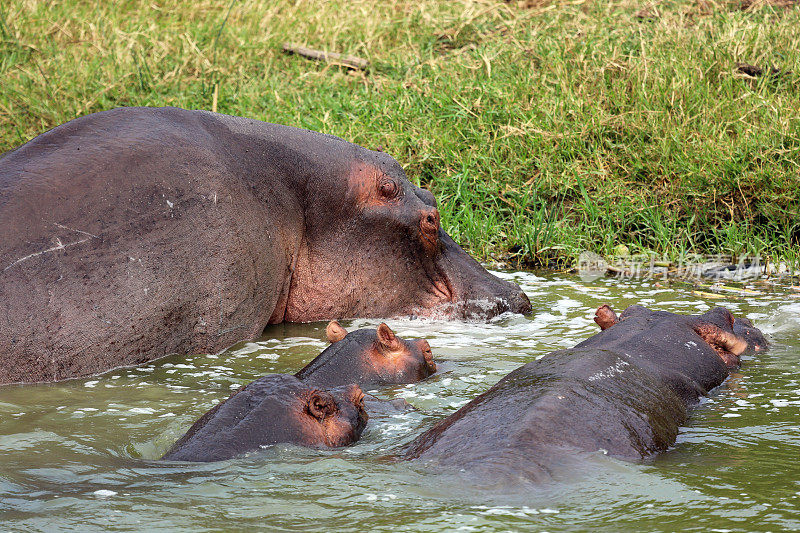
[(321, 405), (605, 317), (387, 338), (335, 332)]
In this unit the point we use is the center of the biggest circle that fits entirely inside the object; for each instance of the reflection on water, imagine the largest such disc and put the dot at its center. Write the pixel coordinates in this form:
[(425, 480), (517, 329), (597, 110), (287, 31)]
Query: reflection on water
[(79, 455)]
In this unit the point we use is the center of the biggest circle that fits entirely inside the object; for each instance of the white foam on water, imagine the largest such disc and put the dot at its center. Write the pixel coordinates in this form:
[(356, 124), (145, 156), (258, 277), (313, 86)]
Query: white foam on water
[(141, 411)]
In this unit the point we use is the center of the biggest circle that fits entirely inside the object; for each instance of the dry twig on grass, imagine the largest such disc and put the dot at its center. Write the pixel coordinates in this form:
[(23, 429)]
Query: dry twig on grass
[(331, 57)]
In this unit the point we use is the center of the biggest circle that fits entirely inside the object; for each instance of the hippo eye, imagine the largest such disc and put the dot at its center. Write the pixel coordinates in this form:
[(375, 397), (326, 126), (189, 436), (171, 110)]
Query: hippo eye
[(388, 189)]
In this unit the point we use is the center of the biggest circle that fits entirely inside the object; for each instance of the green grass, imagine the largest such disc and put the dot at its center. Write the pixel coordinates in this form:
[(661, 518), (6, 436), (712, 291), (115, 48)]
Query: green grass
[(542, 130)]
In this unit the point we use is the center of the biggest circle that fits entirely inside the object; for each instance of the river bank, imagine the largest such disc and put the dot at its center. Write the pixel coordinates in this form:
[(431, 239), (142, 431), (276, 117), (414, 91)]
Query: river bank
[(544, 128)]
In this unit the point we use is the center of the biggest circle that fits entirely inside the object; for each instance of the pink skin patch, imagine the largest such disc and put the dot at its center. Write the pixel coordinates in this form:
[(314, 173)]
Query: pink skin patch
[(727, 345), (605, 317)]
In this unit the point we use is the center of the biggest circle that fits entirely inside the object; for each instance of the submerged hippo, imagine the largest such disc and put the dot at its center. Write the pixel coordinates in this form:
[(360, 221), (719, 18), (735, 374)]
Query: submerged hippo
[(273, 409), (134, 233), (296, 409), (625, 391), (605, 317), (369, 357)]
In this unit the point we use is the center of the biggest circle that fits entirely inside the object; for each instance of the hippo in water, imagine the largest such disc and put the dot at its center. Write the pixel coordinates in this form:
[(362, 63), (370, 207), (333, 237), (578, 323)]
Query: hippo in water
[(274, 409), (281, 408), (605, 317), (369, 358), (134, 233), (624, 391)]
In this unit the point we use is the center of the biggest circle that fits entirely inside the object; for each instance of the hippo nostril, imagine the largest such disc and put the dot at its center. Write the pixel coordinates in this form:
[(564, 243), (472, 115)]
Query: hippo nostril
[(430, 221), (429, 229)]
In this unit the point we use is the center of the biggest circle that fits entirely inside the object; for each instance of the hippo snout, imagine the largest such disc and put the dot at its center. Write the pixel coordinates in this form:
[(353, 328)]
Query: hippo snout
[(425, 348), (503, 296), (519, 302), (477, 292)]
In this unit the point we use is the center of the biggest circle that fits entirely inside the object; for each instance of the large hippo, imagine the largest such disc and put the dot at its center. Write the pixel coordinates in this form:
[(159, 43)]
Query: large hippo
[(134, 233), (274, 409), (625, 391)]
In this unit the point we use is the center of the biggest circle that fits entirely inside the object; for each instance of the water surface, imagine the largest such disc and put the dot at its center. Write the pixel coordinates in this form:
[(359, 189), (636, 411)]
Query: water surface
[(80, 455)]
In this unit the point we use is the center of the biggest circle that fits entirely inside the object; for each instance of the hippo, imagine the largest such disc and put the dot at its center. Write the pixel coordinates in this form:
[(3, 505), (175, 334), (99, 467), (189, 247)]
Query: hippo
[(368, 358), (605, 317), (277, 408), (280, 406), (135, 233), (624, 391)]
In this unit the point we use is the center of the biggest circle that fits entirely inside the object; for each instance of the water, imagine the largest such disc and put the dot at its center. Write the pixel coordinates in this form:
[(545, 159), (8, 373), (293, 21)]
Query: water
[(80, 455)]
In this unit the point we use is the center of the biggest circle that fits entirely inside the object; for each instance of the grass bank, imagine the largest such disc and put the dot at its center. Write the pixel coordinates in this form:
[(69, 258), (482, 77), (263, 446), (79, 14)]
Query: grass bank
[(544, 128)]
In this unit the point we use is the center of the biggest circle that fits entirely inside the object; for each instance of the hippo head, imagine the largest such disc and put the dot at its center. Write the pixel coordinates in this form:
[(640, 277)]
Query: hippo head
[(369, 357), (331, 419), (717, 328), (374, 247), (756, 342), (274, 409)]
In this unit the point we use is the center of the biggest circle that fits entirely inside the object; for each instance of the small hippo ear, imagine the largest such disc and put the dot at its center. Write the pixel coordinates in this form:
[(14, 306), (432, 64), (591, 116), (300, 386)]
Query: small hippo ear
[(387, 338), (321, 405), (335, 332), (605, 317)]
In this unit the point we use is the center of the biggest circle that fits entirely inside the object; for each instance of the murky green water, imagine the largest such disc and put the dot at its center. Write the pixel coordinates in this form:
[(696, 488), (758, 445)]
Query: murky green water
[(78, 455)]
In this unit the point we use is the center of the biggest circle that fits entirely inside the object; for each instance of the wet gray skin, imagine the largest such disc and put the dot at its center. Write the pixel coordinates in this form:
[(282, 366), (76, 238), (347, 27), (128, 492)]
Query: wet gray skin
[(84, 453), (625, 390), (141, 232), (271, 410)]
